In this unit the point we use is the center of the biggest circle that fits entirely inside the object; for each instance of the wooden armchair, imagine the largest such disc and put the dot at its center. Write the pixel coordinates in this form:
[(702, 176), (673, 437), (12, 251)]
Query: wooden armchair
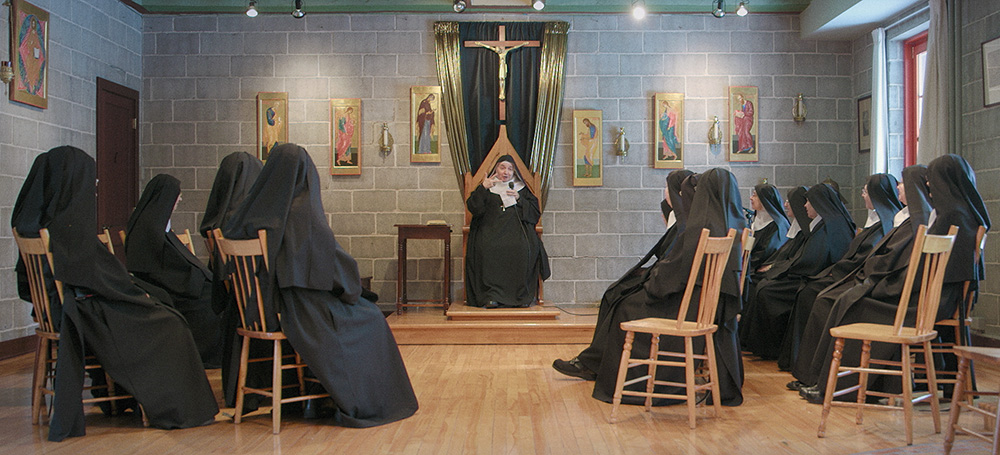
[(185, 238), (105, 238), (37, 258), (245, 256), (747, 240), (714, 253), (931, 253)]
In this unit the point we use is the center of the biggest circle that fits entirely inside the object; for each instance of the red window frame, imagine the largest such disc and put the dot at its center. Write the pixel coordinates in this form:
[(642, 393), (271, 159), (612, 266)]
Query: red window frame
[(911, 48)]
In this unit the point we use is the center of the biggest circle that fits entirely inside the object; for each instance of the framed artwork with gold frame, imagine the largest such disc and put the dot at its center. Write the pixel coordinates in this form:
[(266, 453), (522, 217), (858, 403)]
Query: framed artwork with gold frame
[(272, 121), (743, 122), (345, 136), (587, 140), (29, 52), (668, 140), (425, 124)]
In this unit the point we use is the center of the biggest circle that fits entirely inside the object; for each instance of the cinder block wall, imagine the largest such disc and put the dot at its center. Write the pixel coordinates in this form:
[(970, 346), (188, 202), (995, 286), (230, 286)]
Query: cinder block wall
[(201, 74), (88, 39)]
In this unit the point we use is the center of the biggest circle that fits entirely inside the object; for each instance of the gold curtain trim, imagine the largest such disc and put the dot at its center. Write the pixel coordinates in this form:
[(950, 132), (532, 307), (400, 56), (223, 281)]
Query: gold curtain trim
[(446, 48), (551, 86)]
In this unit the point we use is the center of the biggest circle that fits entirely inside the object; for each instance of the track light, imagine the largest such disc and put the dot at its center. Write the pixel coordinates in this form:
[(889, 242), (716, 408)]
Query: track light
[(538, 5), (459, 6), (718, 8), (252, 9), (298, 13), (742, 9), (639, 9)]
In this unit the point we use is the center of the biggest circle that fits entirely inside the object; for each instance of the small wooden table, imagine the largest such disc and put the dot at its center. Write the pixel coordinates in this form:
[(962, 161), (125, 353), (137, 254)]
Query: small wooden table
[(422, 231)]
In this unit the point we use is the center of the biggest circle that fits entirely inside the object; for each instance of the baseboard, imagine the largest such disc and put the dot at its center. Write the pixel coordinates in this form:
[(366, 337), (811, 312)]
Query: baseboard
[(985, 341), (17, 346)]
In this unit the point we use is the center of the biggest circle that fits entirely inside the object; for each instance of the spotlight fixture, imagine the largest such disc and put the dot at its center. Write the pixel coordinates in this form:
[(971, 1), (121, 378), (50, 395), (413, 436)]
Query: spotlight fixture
[(252, 9), (718, 8), (297, 12), (538, 5), (742, 9), (639, 9), (459, 6)]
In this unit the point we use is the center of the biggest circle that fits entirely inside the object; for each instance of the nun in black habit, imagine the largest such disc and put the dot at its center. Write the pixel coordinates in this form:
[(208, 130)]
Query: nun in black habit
[(770, 224), (144, 345), (674, 207), (237, 172), (154, 254), (316, 287), (830, 233), (504, 257), (879, 194), (719, 209)]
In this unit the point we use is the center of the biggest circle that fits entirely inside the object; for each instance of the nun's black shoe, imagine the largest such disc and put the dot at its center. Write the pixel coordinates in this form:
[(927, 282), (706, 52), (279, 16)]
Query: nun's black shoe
[(318, 408), (795, 385), (574, 368), (812, 395)]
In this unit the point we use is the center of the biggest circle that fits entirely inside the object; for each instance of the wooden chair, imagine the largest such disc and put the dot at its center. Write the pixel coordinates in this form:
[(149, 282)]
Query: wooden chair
[(931, 253), (37, 258), (714, 252), (105, 238), (747, 240), (963, 397), (121, 234), (958, 322), (185, 238), (244, 257)]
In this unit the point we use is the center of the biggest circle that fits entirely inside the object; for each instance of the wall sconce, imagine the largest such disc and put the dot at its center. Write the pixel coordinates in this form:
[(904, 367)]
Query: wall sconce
[(458, 6), (621, 145), (719, 8), (715, 132), (297, 12), (6, 72), (742, 9), (799, 109), (385, 141)]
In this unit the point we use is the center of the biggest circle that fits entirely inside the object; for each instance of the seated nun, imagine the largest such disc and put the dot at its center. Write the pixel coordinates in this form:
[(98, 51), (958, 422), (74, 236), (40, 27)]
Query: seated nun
[(504, 256), (770, 223), (144, 345), (154, 254)]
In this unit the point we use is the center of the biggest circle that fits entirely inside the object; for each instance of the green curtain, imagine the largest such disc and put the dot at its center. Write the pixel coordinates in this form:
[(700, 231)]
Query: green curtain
[(551, 84)]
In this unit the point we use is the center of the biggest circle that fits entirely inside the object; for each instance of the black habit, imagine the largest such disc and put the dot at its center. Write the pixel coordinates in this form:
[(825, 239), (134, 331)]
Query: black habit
[(830, 234), (769, 236), (504, 256), (154, 254), (719, 209), (316, 287), (144, 345), (882, 191)]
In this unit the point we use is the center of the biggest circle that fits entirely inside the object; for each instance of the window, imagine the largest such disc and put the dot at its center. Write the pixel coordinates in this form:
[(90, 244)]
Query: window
[(914, 62)]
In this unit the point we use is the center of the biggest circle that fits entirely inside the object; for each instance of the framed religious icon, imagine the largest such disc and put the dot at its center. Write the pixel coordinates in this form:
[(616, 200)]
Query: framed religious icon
[(29, 51), (991, 72), (272, 121), (743, 124), (425, 124), (865, 124), (345, 138), (587, 140), (668, 140)]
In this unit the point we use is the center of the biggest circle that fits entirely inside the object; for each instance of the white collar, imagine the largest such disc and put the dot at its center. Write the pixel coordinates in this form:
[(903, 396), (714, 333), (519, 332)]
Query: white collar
[(900, 217), (872, 219), (931, 218), (761, 220), (671, 219), (815, 221), (794, 229)]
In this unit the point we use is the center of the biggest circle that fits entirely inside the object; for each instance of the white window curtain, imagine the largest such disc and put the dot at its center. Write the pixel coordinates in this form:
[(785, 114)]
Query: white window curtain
[(880, 104), (935, 126)]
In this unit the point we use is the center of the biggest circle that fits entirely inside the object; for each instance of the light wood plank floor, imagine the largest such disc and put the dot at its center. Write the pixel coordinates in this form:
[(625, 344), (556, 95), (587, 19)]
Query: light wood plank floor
[(497, 399)]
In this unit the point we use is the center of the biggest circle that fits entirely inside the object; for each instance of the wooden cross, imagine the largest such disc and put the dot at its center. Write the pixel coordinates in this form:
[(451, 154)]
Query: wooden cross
[(502, 47)]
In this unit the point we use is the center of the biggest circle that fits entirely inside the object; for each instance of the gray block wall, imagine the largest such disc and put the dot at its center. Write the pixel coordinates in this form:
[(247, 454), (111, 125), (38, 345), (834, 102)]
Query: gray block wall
[(201, 74), (88, 39)]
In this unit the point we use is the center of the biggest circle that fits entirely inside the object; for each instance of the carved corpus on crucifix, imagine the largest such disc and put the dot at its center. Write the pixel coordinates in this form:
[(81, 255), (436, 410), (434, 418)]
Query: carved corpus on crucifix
[(502, 47)]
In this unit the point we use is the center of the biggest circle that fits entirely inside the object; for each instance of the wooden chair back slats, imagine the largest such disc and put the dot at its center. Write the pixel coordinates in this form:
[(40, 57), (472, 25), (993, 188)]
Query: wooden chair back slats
[(244, 257), (747, 241), (38, 263), (714, 252), (105, 238), (185, 238), (931, 252), (121, 234)]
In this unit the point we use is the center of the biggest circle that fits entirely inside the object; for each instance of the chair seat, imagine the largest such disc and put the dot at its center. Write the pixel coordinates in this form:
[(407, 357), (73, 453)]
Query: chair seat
[(261, 335), (668, 327), (881, 332)]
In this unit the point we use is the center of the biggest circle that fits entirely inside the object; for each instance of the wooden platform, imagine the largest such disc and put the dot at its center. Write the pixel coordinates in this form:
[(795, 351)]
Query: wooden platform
[(465, 325)]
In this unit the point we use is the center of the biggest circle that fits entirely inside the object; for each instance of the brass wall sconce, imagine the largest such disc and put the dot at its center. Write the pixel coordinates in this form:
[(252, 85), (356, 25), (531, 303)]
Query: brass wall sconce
[(799, 109), (6, 72), (715, 132), (621, 145), (385, 141)]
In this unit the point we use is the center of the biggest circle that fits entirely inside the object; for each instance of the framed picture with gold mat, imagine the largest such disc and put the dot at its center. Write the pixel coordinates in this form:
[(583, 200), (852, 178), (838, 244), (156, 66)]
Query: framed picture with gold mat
[(29, 52), (345, 139), (587, 140)]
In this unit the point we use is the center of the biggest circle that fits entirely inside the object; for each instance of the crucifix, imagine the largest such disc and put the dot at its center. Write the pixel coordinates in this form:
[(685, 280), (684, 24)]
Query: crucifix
[(502, 47)]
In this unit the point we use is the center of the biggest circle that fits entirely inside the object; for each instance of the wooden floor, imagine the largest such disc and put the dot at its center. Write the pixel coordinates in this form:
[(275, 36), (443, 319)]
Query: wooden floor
[(501, 399)]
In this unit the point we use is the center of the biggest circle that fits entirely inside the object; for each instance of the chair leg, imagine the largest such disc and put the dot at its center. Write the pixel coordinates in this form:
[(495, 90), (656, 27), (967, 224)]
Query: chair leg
[(110, 383), (956, 406), (276, 390), (866, 355), (300, 374), (907, 380), (39, 379), (241, 380), (831, 384), (713, 375), (933, 387), (654, 347), (689, 380), (622, 372)]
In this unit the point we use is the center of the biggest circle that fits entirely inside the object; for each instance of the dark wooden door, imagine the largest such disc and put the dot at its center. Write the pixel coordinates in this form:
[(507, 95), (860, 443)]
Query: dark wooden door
[(117, 157)]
